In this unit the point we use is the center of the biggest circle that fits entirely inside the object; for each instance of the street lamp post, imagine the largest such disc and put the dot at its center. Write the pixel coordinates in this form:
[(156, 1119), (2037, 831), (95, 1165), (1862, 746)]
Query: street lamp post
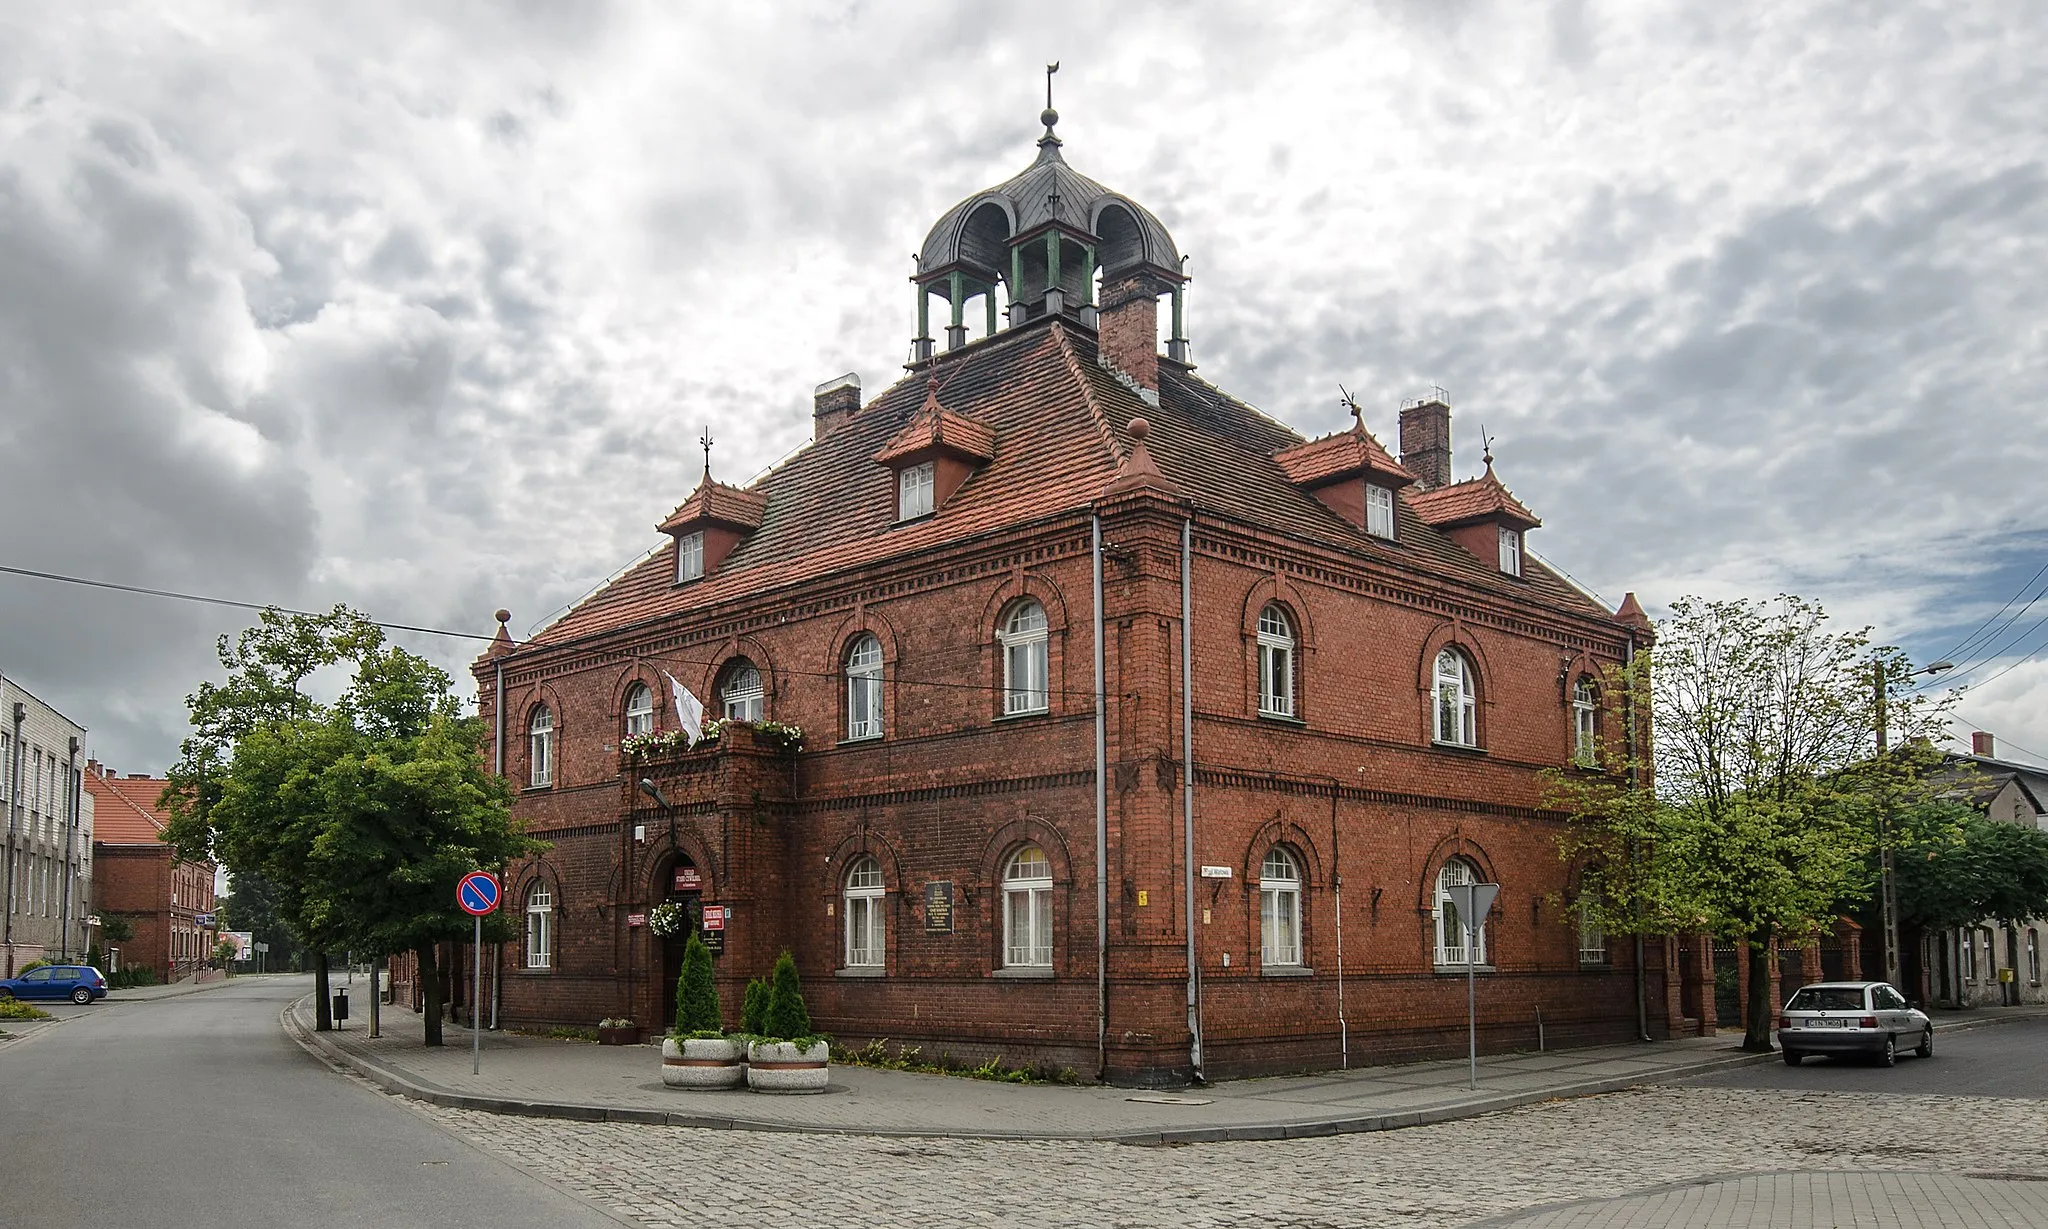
[(1888, 903)]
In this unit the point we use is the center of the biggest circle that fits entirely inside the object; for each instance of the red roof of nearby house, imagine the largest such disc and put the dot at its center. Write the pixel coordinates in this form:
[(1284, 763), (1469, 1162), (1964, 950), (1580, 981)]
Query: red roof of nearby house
[(1342, 455), (125, 810), (1471, 500)]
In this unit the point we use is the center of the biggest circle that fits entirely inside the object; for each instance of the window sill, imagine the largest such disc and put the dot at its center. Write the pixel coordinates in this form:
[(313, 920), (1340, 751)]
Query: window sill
[(1286, 970), (855, 742), (1601, 963), (1022, 972), (1281, 718), (524, 971), (858, 972), (1024, 714), (1459, 970), (1457, 748), (914, 520), (537, 789)]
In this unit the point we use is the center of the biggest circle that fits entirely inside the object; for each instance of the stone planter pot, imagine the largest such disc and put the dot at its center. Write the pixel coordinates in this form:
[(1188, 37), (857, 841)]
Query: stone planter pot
[(783, 1066), (707, 1062), (627, 1036)]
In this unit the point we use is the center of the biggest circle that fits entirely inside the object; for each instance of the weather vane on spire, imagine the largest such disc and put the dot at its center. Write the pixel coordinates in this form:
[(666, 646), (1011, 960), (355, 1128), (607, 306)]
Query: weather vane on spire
[(704, 438), (1049, 117), (1351, 403)]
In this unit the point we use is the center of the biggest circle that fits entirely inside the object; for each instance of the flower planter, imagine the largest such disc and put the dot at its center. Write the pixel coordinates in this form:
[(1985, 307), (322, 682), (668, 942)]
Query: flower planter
[(783, 1066), (628, 1035), (703, 1062)]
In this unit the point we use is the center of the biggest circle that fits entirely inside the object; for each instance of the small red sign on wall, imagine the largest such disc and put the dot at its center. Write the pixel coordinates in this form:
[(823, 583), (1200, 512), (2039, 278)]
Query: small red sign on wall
[(687, 879), (636, 919), (714, 917)]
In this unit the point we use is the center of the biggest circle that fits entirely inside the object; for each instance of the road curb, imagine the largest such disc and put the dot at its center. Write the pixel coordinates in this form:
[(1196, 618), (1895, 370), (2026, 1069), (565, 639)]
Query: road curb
[(402, 1085)]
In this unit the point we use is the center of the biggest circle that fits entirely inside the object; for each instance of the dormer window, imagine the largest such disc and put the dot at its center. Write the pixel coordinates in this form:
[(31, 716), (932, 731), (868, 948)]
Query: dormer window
[(1510, 551), (1379, 511), (914, 491), (689, 556)]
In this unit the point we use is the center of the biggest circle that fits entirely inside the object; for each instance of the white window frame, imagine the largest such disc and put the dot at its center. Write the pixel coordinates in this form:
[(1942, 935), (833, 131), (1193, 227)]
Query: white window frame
[(1969, 954), (1280, 910), (1276, 662), (1450, 932), (639, 709), (864, 687), (1025, 639), (540, 927), (1586, 724), (1592, 936), (742, 696), (914, 490), (1379, 511), (1510, 551), (2033, 957), (689, 556), (1027, 910), (1456, 716), (866, 938), (540, 733)]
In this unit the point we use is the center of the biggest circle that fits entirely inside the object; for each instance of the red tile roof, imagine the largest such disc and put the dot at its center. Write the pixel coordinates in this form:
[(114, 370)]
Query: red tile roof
[(124, 809), (715, 503), (1347, 454), (1474, 499), (1057, 423), (934, 428)]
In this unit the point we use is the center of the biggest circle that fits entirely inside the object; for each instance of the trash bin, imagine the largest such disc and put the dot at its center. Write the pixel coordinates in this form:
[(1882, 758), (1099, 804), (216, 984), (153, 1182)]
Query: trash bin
[(340, 1006)]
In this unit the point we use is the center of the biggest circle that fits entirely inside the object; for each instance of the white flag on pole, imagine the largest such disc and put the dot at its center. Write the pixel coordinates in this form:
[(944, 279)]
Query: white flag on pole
[(689, 709)]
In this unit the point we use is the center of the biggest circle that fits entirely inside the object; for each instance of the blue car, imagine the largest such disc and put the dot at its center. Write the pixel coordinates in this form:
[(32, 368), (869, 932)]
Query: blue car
[(81, 983)]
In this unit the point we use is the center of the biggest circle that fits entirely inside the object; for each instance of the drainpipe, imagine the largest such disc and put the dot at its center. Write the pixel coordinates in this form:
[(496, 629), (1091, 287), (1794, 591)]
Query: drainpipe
[(1337, 887), (498, 714), (13, 822), (1101, 828), (70, 842), (1642, 977), (1187, 789)]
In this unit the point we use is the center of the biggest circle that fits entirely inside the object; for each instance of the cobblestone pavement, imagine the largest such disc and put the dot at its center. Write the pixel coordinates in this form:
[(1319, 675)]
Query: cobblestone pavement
[(1812, 1201), (1443, 1175)]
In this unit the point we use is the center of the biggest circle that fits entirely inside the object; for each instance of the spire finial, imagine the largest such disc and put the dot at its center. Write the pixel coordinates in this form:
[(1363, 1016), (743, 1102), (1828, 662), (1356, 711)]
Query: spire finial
[(1351, 403), (1487, 455), (1049, 117), (704, 438)]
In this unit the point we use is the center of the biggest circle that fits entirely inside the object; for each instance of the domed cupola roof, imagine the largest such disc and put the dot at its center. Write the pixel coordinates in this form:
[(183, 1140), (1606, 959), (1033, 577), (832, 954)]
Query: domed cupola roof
[(976, 233)]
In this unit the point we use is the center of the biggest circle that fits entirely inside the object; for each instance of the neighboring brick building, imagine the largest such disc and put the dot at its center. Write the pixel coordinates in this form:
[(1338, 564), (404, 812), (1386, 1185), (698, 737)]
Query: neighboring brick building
[(1380, 671), (169, 903), (47, 858)]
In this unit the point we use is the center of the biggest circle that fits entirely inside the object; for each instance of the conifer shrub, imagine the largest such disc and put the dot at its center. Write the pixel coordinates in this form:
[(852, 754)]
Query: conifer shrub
[(754, 1008), (697, 1009), (788, 1019)]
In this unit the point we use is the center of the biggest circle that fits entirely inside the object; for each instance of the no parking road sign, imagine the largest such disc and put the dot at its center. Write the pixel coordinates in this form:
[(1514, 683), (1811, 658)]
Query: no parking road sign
[(477, 893)]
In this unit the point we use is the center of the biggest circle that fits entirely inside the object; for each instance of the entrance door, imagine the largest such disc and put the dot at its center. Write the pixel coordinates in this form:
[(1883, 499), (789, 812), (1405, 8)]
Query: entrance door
[(672, 952)]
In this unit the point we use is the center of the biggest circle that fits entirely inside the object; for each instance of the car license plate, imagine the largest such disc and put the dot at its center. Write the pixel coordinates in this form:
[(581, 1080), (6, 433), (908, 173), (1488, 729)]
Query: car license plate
[(1831, 1024)]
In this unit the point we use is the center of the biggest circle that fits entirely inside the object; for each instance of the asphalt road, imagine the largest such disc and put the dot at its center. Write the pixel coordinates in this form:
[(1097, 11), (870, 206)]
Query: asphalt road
[(198, 1111), (2000, 1060)]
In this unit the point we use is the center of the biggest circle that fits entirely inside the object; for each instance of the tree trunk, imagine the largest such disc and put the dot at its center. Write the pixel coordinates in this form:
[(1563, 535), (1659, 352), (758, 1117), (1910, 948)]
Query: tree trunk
[(430, 980), (323, 1011), (1756, 1033)]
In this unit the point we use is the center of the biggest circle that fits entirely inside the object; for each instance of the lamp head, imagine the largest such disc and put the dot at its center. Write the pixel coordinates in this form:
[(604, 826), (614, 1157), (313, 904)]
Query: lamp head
[(1936, 667)]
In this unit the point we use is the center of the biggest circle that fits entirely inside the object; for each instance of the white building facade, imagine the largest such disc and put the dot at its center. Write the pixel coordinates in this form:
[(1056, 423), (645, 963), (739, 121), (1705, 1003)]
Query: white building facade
[(47, 819)]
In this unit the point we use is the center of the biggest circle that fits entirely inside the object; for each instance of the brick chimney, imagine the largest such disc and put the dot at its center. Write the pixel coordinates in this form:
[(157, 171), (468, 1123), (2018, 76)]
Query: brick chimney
[(833, 404), (1984, 744), (1128, 329), (1426, 443)]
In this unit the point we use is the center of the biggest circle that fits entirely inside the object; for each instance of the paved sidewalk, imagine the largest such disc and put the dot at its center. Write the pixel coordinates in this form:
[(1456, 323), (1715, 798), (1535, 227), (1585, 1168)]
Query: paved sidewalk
[(1810, 1201), (559, 1079)]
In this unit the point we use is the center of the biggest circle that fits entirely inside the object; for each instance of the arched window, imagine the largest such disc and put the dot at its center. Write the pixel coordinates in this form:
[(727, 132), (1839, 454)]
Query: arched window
[(864, 687), (540, 731), (1027, 909), (1586, 724), (740, 691), (1592, 936), (1456, 711), (1276, 663), (1279, 909), (639, 710), (1450, 927), (865, 948), (540, 927), (1023, 637)]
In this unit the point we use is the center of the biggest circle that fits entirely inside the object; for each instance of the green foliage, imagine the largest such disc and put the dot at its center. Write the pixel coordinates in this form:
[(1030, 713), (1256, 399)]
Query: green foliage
[(697, 1007), (754, 1008), (40, 962), (93, 956), (1956, 867), (877, 1054), (15, 1009), (131, 976), (787, 1018), (253, 907), (559, 1033), (116, 929)]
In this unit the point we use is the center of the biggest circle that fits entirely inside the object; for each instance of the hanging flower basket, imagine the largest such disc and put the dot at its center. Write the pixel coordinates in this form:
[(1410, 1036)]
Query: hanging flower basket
[(668, 919)]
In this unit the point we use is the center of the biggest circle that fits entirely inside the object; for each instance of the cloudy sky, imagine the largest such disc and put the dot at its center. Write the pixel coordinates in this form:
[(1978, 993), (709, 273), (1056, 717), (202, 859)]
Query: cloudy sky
[(421, 307)]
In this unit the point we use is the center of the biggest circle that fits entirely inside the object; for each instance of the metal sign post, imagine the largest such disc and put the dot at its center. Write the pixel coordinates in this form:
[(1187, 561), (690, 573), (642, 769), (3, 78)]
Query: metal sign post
[(477, 894), (1472, 901)]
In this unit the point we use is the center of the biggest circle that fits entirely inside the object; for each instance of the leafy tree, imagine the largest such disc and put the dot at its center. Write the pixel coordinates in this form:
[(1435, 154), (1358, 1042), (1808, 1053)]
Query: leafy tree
[(1764, 802), (1956, 867), (697, 1008), (116, 929), (224, 952), (787, 1018), (253, 907)]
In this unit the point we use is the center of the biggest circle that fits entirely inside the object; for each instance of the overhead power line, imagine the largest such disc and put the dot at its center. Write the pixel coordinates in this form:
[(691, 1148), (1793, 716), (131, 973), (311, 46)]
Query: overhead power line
[(1966, 641), (223, 601)]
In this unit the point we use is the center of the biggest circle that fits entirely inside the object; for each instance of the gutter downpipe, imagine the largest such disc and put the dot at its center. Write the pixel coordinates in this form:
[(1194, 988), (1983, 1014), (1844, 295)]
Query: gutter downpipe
[(70, 843), (498, 712), (1337, 887), (20, 714), (1642, 976), (1187, 744), (1101, 826)]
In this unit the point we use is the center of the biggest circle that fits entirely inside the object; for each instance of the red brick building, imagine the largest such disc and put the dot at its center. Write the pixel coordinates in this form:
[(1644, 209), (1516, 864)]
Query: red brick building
[(977, 598), (169, 903)]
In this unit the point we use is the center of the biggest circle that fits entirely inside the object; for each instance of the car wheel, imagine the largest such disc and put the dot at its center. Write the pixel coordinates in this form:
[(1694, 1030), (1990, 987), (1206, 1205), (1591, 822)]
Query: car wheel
[(6, 995), (1793, 1057), (81, 996), (1889, 1056), (1926, 1048)]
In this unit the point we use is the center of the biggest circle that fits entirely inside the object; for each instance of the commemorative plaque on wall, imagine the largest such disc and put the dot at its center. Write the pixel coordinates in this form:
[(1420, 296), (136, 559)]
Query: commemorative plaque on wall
[(938, 907)]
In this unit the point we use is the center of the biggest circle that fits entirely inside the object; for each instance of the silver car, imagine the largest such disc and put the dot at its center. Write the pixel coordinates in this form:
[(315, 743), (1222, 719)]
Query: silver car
[(1869, 1018)]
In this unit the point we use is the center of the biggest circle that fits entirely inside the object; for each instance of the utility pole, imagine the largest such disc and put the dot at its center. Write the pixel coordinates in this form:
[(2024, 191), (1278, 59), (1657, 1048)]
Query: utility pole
[(1888, 902)]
